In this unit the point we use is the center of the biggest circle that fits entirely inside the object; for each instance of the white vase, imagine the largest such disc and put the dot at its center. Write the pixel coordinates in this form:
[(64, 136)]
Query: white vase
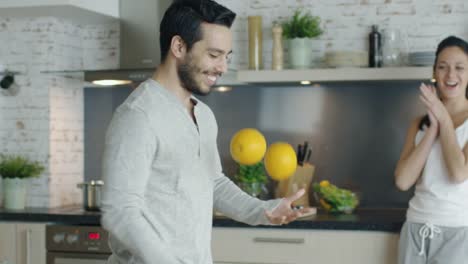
[(14, 193), (301, 52)]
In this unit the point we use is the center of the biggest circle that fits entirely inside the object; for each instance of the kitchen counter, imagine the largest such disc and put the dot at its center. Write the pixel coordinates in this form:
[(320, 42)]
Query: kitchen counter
[(366, 219), (75, 215)]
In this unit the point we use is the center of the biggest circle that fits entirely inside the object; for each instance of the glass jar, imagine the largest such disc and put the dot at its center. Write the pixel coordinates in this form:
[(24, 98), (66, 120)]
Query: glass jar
[(394, 47)]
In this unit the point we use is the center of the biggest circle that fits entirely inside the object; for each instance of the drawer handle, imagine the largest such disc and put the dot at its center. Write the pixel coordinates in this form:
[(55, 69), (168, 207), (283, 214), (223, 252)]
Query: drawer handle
[(279, 240)]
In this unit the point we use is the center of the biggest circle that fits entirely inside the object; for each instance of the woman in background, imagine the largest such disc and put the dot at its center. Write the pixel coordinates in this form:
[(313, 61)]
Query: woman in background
[(435, 159)]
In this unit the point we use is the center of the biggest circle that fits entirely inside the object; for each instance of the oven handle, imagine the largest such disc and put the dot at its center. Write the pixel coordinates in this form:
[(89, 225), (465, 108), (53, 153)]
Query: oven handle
[(28, 246)]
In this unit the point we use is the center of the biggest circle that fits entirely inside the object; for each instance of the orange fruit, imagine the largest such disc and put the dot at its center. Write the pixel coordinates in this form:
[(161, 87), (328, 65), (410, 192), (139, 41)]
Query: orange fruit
[(280, 160), (248, 146)]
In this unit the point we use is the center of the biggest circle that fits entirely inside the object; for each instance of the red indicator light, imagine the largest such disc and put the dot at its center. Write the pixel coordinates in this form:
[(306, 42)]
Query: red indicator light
[(94, 236)]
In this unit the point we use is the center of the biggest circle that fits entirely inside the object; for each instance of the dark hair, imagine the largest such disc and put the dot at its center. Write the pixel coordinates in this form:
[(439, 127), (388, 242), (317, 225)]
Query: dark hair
[(448, 42), (184, 17)]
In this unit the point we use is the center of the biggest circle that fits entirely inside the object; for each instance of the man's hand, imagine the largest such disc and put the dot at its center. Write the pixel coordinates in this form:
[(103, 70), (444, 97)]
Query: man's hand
[(284, 213)]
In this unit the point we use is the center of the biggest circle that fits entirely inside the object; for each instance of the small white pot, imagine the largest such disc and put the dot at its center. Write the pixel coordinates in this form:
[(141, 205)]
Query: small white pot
[(14, 193), (302, 53)]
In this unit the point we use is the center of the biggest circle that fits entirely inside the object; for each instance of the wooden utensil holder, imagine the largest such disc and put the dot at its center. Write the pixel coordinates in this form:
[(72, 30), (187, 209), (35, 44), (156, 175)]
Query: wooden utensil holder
[(302, 178)]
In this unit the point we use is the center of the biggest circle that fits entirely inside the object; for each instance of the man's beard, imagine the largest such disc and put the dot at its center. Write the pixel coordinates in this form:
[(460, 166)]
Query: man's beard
[(186, 72)]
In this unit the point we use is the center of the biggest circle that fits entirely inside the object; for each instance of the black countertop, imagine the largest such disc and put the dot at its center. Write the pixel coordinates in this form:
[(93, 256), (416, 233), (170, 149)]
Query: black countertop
[(368, 219), (73, 215)]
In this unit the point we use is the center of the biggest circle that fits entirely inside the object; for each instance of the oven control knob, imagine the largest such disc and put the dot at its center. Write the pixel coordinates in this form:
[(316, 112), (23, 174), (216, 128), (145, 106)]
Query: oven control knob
[(72, 239), (58, 238)]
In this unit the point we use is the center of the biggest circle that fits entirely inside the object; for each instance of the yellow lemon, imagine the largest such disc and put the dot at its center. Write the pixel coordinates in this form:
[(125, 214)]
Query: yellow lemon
[(324, 183), (248, 146), (280, 161)]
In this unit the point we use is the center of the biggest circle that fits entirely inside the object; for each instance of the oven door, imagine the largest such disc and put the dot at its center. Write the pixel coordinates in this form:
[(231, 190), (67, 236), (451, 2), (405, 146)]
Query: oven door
[(76, 258)]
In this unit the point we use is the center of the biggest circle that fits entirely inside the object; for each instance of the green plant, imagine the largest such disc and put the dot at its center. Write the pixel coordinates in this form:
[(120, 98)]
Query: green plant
[(252, 178), (13, 166), (302, 26)]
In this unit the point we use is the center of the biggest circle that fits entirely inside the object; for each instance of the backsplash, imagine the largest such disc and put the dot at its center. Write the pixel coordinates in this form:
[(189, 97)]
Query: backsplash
[(355, 130)]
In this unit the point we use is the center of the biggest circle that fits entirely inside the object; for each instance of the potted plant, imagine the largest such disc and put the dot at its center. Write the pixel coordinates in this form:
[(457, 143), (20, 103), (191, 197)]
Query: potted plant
[(252, 179), (15, 170), (299, 31)]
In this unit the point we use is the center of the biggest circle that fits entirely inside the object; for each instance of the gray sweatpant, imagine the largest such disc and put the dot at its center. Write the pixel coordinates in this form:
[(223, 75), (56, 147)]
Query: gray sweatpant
[(426, 244)]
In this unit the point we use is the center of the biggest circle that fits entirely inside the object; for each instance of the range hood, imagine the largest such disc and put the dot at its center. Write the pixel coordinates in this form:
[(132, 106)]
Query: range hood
[(139, 43)]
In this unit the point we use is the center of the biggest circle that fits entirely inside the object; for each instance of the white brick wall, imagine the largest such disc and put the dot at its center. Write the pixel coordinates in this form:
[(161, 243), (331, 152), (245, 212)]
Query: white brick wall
[(45, 120), (347, 22)]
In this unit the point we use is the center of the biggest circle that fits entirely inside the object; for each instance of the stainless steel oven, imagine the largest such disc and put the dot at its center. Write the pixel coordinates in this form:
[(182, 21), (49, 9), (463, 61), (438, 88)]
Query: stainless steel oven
[(72, 244)]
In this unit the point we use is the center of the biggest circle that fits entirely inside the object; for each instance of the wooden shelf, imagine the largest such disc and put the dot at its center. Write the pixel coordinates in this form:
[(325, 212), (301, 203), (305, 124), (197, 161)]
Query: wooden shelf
[(335, 75)]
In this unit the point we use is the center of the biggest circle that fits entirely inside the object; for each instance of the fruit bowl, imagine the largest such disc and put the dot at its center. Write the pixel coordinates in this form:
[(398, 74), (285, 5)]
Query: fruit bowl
[(334, 199)]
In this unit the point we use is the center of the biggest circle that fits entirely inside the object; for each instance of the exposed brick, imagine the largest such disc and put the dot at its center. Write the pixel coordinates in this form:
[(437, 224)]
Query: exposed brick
[(347, 22), (45, 120), (396, 10)]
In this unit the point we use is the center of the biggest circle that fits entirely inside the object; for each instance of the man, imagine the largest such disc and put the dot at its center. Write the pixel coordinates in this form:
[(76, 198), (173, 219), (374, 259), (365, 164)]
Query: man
[(161, 164)]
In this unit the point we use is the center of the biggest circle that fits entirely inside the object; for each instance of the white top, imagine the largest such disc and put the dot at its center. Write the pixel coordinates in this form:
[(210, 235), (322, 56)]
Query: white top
[(163, 178), (437, 200)]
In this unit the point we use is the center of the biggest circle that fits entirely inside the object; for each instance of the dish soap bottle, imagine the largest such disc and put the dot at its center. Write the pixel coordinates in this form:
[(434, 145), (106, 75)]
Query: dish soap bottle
[(375, 48)]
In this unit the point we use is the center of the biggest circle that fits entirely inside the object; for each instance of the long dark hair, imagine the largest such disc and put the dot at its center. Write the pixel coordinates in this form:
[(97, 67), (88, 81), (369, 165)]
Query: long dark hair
[(184, 17), (448, 42)]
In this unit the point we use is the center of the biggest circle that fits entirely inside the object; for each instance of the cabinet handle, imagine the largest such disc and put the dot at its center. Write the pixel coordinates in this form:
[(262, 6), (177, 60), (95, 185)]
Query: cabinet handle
[(279, 240), (28, 246)]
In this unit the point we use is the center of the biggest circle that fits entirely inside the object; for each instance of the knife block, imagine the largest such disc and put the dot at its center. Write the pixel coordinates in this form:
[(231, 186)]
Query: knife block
[(302, 178)]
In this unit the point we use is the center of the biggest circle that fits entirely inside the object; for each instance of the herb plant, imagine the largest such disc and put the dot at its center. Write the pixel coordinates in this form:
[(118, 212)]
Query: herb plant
[(13, 166), (302, 25)]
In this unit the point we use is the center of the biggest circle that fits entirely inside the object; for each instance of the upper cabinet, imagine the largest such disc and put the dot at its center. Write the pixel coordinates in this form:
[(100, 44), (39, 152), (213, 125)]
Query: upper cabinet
[(80, 11)]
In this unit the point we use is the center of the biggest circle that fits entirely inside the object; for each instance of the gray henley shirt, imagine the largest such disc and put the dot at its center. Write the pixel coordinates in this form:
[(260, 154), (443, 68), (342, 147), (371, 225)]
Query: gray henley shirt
[(163, 178)]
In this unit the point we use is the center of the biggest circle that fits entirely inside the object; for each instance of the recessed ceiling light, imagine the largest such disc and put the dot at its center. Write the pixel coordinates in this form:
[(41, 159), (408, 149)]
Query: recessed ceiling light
[(223, 89), (111, 82)]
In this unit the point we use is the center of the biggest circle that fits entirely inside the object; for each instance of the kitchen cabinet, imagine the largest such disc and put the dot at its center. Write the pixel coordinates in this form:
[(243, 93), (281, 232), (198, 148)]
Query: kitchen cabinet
[(7, 243), (302, 246), (259, 245), (22, 243)]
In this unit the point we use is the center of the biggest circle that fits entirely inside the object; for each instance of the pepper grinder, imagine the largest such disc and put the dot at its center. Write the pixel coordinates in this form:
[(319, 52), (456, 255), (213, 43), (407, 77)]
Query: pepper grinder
[(277, 63)]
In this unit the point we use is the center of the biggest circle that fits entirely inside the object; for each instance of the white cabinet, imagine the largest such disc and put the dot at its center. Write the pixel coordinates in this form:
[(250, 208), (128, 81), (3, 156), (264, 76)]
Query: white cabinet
[(8, 243), (22, 243), (259, 245), (301, 246), (353, 247)]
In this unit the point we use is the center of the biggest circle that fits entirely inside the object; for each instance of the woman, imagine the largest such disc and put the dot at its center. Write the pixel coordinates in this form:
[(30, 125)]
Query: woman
[(435, 158)]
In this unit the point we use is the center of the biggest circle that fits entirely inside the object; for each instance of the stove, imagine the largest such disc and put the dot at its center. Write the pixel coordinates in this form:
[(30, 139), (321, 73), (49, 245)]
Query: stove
[(76, 244)]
